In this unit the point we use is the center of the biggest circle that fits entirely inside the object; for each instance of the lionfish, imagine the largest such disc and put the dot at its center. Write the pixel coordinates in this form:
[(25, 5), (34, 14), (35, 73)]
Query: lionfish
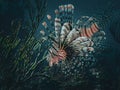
[(72, 39)]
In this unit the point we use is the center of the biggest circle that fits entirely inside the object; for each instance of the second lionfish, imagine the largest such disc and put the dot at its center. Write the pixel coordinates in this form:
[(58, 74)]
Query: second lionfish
[(72, 39)]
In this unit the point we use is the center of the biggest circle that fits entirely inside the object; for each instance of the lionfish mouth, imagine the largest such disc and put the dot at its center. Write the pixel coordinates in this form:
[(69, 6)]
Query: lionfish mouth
[(70, 38), (57, 56), (62, 54)]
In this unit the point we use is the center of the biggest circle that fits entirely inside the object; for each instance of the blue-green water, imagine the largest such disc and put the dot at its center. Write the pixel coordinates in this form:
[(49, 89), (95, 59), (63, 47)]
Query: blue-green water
[(21, 65)]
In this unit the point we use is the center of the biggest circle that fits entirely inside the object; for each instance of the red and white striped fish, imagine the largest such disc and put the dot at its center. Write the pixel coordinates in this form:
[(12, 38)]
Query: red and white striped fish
[(71, 38)]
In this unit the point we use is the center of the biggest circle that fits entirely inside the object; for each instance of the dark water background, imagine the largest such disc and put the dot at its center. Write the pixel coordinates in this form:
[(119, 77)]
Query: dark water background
[(110, 59)]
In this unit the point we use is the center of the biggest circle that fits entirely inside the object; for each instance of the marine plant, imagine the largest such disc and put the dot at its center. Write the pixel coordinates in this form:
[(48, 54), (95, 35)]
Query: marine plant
[(21, 57)]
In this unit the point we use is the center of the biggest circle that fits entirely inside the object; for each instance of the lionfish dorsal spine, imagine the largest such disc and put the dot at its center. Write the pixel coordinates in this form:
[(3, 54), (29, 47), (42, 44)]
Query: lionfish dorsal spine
[(65, 31), (57, 25), (66, 13), (74, 33)]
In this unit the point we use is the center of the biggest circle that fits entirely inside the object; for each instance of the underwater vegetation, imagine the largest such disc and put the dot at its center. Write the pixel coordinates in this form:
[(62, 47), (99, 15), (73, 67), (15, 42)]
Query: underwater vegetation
[(21, 58)]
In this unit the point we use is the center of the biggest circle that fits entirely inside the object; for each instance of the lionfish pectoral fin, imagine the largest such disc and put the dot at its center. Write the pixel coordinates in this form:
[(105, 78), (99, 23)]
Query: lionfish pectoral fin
[(53, 39)]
